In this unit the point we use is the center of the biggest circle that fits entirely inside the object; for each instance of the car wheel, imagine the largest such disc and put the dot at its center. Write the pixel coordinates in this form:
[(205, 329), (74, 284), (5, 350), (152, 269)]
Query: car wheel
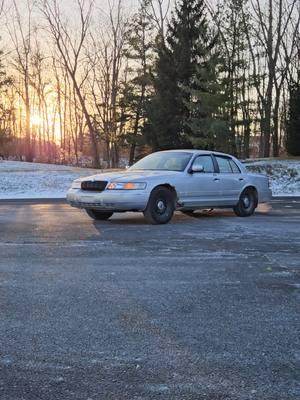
[(99, 215), (247, 203), (161, 206)]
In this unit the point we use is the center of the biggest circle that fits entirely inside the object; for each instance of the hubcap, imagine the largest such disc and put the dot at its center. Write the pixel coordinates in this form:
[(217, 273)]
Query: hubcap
[(246, 201), (161, 207)]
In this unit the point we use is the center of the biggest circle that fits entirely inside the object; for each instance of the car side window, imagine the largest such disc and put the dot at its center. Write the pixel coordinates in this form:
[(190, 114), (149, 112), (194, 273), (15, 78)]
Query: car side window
[(234, 167), (206, 162), (224, 165)]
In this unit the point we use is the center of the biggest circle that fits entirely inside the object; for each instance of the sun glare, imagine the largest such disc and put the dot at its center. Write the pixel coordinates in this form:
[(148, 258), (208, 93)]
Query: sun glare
[(38, 123), (36, 120)]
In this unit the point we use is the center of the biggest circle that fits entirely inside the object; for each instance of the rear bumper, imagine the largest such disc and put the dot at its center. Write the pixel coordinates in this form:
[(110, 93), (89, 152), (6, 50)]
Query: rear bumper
[(265, 196), (119, 200)]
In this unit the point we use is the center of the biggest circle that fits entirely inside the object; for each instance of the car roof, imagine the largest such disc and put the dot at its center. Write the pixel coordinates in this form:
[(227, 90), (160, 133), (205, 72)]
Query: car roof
[(195, 151), (203, 152)]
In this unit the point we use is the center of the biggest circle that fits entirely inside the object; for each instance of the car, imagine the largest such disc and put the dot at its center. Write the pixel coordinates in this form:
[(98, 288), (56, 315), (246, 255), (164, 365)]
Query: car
[(165, 181)]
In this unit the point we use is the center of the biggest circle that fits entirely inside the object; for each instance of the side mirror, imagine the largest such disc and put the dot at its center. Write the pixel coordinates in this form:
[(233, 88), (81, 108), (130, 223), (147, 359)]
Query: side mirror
[(197, 168)]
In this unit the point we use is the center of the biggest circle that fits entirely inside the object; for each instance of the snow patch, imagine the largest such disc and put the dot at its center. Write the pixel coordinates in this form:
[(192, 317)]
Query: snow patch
[(22, 180), (284, 175)]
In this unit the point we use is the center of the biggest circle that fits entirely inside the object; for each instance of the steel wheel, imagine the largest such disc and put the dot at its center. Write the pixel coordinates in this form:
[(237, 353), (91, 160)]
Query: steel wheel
[(247, 203), (161, 206)]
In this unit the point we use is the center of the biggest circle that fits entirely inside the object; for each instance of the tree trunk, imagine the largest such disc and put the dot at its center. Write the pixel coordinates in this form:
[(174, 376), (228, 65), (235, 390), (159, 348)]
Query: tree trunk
[(96, 159), (132, 153)]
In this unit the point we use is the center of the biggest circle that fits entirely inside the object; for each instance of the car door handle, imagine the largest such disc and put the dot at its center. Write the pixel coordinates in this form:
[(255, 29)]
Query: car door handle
[(241, 179), (216, 179)]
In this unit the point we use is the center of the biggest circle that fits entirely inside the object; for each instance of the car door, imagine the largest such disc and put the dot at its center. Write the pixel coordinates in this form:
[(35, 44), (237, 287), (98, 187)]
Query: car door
[(202, 187), (231, 180)]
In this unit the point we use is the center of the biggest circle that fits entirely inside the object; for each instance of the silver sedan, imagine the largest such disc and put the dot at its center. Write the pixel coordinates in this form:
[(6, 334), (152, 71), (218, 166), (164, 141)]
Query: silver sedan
[(159, 184)]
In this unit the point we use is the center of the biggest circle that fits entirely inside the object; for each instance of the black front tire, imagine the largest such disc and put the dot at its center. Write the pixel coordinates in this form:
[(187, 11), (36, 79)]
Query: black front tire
[(99, 215), (161, 206), (247, 203)]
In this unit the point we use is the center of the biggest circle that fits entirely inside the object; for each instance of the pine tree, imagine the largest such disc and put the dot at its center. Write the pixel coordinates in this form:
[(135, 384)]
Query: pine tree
[(208, 123), (205, 122), (293, 125), (137, 89), (179, 69), (162, 130)]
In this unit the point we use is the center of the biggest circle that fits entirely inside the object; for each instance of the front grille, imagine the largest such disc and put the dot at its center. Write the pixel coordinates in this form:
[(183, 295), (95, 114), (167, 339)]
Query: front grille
[(93, 186)]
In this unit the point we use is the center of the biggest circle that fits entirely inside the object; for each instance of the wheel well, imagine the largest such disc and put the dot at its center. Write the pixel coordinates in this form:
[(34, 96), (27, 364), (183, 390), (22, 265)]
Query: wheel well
[(254, 190), (167, 186)]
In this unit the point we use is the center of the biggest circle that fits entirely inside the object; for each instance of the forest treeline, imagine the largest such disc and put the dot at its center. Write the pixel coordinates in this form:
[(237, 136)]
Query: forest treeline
[(86, 82)]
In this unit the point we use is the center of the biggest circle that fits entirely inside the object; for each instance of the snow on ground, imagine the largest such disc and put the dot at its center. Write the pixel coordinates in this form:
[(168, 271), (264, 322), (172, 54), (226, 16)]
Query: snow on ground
[(21, 180), (284, 174)]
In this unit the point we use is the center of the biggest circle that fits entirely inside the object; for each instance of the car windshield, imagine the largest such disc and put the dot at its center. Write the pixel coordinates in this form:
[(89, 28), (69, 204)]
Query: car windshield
[(164, 161)]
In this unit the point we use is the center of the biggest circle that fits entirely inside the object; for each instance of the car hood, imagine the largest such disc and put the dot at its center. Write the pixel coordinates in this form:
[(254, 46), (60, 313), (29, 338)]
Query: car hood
[(125, 176)]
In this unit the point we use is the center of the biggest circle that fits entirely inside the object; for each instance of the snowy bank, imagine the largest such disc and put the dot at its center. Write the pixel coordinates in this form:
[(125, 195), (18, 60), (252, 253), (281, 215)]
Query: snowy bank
[(21, 180), (284, 174)]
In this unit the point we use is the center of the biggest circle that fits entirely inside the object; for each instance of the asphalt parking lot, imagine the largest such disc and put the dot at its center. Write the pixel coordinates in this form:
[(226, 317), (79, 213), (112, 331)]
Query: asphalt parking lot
[(206, 307)]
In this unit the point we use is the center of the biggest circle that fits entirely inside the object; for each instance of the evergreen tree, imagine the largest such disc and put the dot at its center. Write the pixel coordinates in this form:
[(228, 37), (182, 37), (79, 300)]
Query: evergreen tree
[(182, 64), (138, 87), (208, 122), (293, 125), (162, 131)]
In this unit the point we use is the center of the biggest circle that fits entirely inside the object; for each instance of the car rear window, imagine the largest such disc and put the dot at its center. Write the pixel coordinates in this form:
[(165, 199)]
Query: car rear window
[(234, 167), (224, 165)]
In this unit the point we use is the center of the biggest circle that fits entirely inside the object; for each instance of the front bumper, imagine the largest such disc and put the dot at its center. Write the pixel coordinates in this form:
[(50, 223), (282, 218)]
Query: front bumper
[(109, 200)]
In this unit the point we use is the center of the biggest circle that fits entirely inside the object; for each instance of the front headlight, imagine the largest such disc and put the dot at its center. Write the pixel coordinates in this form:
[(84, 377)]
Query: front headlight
[(76, 185), (126, 186)]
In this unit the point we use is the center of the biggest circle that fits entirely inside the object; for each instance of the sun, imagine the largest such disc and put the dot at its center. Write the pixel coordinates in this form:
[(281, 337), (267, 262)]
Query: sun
[(38, 122), (35, 120)]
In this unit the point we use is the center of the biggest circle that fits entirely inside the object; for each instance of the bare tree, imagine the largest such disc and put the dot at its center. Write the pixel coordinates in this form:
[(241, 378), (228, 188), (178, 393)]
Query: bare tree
[(71, 51), (107, 67), (287, 55), (21, 37), (1, 7), (266, 32), (158, 11)]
